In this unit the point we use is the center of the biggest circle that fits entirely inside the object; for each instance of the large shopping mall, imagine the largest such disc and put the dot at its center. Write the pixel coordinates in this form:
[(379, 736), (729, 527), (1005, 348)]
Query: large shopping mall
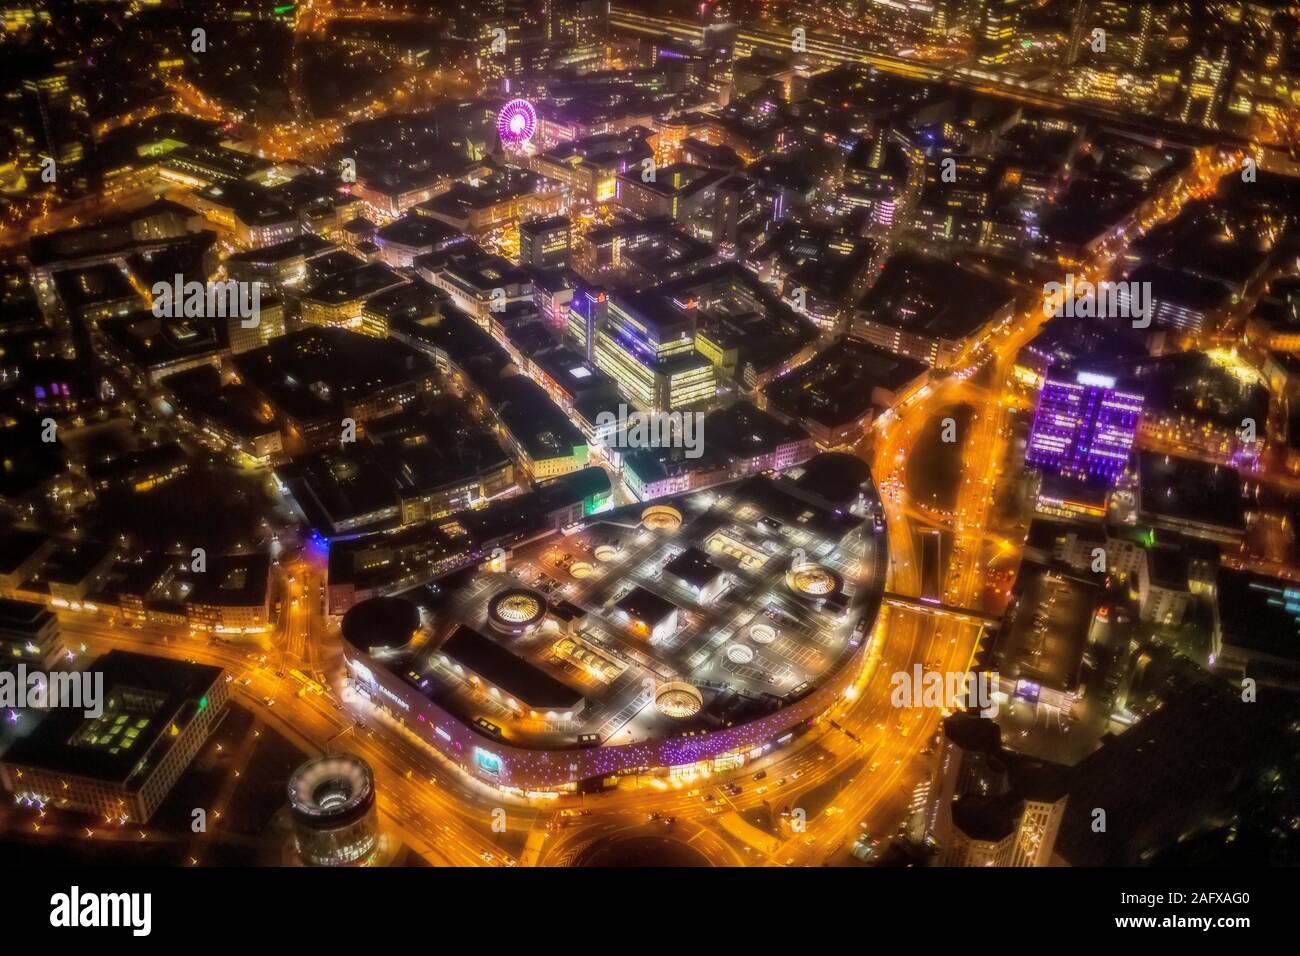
[(702, 629)]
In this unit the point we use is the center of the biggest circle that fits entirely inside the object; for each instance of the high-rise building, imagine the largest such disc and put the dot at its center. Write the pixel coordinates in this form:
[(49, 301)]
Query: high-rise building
[(995, 29), (1207, 83), (57, 125), (245, 334), (1084, 426), (648, 348), (950, 17), (988, 806), (1074, 37), (545, 242), (332, 803), (1144, 18), (580, 21), (968, 764), (587, 312)]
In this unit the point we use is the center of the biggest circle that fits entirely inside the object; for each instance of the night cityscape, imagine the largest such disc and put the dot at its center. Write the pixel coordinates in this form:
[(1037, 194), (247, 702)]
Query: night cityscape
[(852, 434)]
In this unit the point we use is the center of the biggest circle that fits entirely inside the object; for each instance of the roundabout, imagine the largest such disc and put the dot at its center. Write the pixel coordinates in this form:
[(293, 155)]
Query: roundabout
[(639, 851)]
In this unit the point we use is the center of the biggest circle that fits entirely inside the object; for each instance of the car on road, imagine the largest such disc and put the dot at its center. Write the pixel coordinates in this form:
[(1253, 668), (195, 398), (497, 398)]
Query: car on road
[(269, 701), (865, 848), (760, 775)]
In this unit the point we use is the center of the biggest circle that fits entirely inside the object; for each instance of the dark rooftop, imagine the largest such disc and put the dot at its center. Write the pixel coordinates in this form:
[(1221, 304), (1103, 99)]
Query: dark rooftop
[(1259, 613), (836, 386), (507, 671), (694, 567), (152, 693), (380, 623), (931, 297), (645, 606), (1185, 489)]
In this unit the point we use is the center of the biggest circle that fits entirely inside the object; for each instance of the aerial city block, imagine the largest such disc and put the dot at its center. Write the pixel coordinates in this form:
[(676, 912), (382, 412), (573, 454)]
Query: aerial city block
[(574, 433)]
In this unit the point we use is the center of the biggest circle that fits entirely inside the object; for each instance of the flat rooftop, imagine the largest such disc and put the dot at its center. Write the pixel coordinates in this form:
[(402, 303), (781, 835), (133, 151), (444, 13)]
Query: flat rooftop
[(645, 606), (931, 297), (143, 697), (312, 372), (756, 645), (1260, 613), (23, 616), (694, 567), (511, 673), (836, 386), (1044, 639), (237, 580), (1192, 491)]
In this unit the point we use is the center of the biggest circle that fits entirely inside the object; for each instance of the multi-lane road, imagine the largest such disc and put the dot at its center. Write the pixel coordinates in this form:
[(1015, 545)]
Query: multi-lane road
[(866, 754)]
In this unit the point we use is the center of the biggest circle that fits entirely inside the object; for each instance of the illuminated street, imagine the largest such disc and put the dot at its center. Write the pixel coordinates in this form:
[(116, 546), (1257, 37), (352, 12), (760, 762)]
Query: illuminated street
[(570, 434)]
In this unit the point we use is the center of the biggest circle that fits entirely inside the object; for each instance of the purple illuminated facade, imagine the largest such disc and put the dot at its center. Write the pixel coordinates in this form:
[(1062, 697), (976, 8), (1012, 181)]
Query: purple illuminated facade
[(522, 768), (1084, 426), (518, 766)]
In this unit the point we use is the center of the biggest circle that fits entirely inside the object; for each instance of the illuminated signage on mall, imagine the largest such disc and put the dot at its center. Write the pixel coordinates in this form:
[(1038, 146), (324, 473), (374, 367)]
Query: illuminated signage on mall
[(364, 674), (487, 761)]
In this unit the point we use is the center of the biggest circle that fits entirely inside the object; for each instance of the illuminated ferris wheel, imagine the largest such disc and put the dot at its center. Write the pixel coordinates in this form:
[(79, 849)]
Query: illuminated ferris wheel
[(516, 123)]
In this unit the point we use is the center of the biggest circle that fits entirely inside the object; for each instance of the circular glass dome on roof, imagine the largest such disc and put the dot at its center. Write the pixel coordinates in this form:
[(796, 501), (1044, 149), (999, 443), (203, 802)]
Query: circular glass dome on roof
[(813, 580), (515, 610), (661, 518), (740, 654), (678, 699)]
